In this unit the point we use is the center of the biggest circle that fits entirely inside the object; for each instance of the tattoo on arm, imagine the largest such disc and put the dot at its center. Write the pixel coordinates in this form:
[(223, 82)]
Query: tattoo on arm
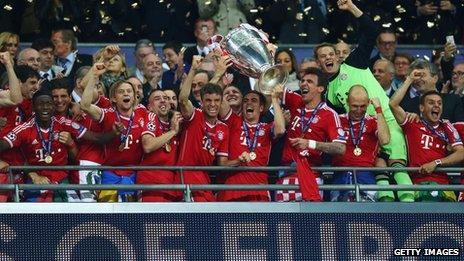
[(332, 148)]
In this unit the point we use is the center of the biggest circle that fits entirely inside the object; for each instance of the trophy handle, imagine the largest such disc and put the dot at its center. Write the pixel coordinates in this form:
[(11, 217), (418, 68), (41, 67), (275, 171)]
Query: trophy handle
[(271, 77)]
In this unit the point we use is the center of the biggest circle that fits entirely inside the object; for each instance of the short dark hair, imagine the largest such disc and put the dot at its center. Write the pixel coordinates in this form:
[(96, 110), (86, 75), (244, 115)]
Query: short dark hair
[(428, 93), (60, 83), (208, 73), (210, 88), (321, 45), (404, 55), (322, 79), (423, 64), (24, 72), (262, 99), (41, 92), (42, 43), (174, 45), (292, 58)]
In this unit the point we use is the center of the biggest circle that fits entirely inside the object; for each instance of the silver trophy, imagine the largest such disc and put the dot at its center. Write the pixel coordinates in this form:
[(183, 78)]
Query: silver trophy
[(246, 46)]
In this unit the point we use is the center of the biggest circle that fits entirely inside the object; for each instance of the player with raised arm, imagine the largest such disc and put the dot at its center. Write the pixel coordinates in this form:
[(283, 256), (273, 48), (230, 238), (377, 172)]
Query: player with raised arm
[(353, 71)]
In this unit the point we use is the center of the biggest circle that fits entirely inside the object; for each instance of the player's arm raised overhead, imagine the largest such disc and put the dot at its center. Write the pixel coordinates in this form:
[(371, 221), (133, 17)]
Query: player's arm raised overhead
[(13, 96), (395, 100), (150, 143), (279, 120), (87, 96), (185, 105)]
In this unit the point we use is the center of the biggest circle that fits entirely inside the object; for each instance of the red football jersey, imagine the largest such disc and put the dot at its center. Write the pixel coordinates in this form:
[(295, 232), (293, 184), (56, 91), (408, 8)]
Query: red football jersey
[(324, 127), (15, 116), (200, 144), (368, 143), (238, 145), (26, 137), (161, 157), (132, 151), (425, 146)]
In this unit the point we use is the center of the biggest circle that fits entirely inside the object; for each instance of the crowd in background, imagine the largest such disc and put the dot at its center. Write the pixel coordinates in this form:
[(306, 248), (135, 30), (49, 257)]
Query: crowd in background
[(146, 114), (287, 21)]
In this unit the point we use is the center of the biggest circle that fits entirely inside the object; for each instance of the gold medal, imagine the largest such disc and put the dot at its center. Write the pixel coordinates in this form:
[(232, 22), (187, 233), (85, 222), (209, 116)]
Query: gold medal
[(48, 159), (252, 155), (121, 146), (167, 147), (357, 151)]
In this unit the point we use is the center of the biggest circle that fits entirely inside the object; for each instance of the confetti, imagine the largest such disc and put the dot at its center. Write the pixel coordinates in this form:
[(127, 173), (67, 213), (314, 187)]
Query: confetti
[(386, 25), (306, 10), (299, 16), (253, 11), (349, 28), (8, 7), (206, 3), (430, 24), (325, 30), (259, 21), (377, 18), (426, 58), (400, 29), (135, 5), (67, 19), (397, 19), (302, 34)]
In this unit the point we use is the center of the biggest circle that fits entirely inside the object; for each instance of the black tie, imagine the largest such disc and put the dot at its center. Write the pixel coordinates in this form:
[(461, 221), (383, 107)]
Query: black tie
[(45, 76)]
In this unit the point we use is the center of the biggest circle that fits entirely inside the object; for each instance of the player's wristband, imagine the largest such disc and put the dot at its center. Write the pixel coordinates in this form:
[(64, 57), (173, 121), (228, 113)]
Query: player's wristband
[(312, 144), (379, 110)]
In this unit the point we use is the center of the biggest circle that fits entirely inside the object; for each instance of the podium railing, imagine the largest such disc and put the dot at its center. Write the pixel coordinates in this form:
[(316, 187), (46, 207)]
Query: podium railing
[(188, 188)]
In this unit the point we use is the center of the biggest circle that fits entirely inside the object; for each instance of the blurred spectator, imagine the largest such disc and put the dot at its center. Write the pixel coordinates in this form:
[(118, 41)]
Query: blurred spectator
[(172, 20), (300, 21), (386, 45), (233, 96), (174, 57), (204, 29), (435, 20), (287, 59), (172, 98), (47, 69), (457, 80), (143, 47), (425, 81), (115, 64), (306, 63), (342, 50), (138, 86), (384, 71), (66, 53), (9, 42), (29, 57), (401, 63), (152, 70), (200, 79), (227, 14)]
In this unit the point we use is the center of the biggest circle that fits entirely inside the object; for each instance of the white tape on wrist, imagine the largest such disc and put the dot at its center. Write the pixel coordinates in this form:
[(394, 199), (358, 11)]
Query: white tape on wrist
[(312, 144)]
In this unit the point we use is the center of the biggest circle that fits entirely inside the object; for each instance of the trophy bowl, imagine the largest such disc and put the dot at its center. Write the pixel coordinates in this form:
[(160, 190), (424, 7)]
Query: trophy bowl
[(248, 51)]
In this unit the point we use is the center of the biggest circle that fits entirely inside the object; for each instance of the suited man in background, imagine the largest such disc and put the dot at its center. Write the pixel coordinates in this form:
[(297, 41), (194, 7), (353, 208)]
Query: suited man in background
[(204, 29), (384, 72), (66, 53)]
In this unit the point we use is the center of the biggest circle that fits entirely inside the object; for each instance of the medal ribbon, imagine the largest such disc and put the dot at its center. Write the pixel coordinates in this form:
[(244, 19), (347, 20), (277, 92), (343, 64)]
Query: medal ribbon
[(354, 139), (442, 136), (124, 136), (251, 145), (305, 125), (46, 145)]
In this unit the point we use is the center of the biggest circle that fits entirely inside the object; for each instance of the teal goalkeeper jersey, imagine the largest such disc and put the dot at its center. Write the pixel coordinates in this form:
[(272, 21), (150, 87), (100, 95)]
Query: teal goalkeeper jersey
[(337, 91)]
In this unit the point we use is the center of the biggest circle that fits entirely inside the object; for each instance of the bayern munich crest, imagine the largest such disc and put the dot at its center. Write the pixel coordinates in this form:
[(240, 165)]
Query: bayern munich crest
[(220, 135), (344, 76), (261, 132), (341, 132)]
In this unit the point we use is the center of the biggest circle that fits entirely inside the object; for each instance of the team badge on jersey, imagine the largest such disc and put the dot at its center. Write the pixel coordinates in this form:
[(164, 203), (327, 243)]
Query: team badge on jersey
[(341, 132), (344, 76), (220, 135), (75, 125), (261, 132), (151, 126), (11, 136)]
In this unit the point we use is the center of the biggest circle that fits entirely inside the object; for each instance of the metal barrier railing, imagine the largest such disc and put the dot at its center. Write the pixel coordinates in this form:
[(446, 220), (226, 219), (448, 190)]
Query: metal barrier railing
[(188, 188)]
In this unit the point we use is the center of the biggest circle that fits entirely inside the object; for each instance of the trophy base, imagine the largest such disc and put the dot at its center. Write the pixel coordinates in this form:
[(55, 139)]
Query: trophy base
[(270, 78)]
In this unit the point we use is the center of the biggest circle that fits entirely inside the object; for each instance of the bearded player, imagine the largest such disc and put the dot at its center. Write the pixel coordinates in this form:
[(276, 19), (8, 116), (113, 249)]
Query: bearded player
[(355, 70)]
